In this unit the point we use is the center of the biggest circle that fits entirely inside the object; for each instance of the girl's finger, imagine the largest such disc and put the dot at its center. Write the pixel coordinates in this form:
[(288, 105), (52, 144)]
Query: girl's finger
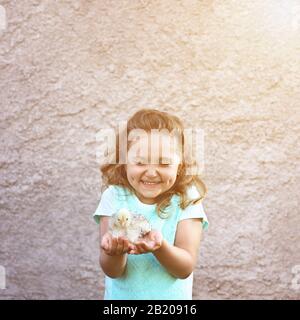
[(131, 246), (114, 245), (156, 237), (105, 243), (151, 245), (125, 246), (104, 246), (135, 249), (131, 249), (120, 246), (141, 247), (152, 236)]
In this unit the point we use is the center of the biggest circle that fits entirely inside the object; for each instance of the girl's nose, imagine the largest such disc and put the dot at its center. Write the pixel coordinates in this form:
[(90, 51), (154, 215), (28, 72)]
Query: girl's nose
[(151, 171)]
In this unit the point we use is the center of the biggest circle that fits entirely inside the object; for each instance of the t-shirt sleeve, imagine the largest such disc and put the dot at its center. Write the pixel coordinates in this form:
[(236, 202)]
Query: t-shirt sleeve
[(106, 205), (194, 210)]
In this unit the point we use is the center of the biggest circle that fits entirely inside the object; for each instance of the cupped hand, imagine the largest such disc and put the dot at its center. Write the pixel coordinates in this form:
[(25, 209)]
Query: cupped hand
[(115, 245), (149, 243)]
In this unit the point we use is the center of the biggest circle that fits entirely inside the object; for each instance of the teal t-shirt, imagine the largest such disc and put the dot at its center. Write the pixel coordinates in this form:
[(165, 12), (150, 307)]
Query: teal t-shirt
[(145, 278)]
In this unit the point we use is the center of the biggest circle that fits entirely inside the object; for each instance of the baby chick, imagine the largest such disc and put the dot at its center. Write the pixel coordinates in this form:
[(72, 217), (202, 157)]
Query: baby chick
[(120, 222), (132, 226)]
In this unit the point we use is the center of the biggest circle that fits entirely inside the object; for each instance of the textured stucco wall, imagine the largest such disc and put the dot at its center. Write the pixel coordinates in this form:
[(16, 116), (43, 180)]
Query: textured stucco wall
[(70, 68)]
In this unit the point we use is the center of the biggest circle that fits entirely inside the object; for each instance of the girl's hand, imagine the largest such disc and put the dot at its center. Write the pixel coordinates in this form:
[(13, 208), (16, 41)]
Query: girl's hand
[(149, 243), (113, 246)]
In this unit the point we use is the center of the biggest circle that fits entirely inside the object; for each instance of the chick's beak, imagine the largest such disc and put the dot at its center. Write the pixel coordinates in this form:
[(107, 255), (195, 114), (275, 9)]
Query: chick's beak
[(123, 222)]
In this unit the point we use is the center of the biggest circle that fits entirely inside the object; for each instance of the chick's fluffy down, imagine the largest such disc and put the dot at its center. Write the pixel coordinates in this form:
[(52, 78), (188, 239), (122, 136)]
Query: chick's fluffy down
[(129, 225)]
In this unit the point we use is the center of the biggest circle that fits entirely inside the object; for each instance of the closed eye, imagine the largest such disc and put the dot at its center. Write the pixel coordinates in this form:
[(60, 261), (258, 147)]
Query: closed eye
[(162, 162), (165, 164)]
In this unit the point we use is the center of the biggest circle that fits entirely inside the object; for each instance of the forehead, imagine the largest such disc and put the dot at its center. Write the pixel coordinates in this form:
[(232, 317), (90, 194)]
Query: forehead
[(158, 144)]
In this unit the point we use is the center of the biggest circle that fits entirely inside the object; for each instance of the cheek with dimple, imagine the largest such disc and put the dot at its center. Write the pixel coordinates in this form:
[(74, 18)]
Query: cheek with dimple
[(133, 176)]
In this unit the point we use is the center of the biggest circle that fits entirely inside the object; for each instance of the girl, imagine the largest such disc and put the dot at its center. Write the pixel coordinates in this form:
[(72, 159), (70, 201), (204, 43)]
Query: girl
[(159, 266)]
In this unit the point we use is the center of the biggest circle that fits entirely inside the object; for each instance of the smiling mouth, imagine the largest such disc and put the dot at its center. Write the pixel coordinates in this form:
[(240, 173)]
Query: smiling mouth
[(148, 183)]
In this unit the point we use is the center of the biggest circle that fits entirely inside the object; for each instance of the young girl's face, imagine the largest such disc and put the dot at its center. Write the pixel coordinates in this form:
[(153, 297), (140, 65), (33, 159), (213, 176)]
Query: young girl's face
[(152, 170)]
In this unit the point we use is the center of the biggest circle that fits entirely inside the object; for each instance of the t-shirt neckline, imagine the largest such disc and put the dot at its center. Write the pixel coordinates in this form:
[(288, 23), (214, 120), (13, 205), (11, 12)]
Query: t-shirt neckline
[(145, 205)]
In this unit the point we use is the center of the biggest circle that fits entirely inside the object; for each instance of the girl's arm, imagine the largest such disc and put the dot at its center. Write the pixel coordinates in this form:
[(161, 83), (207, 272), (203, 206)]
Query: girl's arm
[(113, 255), (180, 259)]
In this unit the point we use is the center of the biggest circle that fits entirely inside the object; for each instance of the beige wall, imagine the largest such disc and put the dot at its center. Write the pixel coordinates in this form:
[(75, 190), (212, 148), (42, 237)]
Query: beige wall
[(70, 68)]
